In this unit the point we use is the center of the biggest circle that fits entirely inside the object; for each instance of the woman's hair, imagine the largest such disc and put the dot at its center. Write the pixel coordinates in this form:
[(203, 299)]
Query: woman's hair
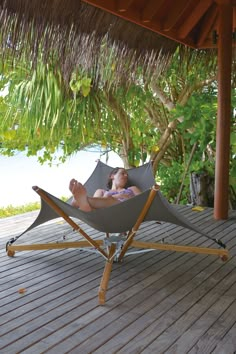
[(113, 172)]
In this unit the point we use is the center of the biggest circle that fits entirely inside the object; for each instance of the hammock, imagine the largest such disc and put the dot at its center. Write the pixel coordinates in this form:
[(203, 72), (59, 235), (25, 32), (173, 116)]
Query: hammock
[(118, 219)]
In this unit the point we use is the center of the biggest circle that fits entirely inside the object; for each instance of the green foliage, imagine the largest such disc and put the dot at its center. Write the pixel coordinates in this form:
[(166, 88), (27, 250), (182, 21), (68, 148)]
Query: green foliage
[(200, 166), (11, 210), (80, 84), (41, 111), (199, 121), (21, 209), (170, 179)]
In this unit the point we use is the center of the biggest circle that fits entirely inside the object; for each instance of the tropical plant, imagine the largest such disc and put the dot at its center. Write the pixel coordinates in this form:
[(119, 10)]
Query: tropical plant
[(161, 120)]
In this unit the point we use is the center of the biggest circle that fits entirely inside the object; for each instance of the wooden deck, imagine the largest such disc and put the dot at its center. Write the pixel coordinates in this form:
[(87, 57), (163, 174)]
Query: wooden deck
[(157, 302)]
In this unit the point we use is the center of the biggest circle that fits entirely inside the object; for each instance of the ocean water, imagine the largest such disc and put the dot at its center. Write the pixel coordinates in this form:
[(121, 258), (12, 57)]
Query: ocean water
[(19, 173)]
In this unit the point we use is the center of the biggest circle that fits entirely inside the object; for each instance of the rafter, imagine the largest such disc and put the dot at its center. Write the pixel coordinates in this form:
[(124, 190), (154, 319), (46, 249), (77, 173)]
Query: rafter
[(177, 10), (151, 9), (123, 5), (187, 21), (207, 25), (193, 18), (103, 4)]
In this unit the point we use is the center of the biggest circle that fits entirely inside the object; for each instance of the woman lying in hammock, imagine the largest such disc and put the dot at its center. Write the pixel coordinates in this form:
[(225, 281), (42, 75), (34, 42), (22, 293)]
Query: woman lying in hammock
[(116, 193)]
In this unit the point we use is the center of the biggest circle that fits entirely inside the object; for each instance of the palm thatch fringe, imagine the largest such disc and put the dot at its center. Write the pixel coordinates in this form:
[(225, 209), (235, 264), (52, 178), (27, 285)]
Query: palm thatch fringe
[(79, 36)]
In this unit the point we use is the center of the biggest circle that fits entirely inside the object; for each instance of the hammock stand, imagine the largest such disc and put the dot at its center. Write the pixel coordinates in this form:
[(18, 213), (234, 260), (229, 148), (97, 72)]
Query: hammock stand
[(149, 205)]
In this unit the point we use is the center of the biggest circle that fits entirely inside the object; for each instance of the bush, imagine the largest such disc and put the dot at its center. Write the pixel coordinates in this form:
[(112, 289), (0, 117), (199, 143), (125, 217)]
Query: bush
[(16, 210), (171, 179), (11, 210)]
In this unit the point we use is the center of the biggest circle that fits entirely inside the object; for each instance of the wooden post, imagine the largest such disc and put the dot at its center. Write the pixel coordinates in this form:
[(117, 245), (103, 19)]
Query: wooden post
[(221, 200)]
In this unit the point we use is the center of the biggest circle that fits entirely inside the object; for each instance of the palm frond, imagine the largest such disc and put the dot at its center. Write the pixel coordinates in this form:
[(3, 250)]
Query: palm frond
[(77, 35)]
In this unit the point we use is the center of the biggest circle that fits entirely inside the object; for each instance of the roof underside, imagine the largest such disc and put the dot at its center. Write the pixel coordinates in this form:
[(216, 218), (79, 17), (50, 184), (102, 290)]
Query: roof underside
[(191, 22)]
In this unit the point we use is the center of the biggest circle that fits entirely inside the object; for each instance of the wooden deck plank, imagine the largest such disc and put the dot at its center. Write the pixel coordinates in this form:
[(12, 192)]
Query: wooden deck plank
[(228, 344), (203, 300), (144, 302), (214, 327), (156, 302), (156, 320)]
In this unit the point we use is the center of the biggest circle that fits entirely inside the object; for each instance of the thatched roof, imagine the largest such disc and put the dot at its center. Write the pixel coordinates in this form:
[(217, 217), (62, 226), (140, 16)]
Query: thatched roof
[(78, 35)]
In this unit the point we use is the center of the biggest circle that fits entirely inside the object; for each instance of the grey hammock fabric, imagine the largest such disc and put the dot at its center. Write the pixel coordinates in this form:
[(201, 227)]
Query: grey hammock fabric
[(123, 216), (141, 176)]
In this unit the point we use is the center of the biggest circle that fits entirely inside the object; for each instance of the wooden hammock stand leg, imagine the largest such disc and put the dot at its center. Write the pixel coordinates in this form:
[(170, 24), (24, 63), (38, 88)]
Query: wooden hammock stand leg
[(112, 248), (140, 219), (80, 244), (222, 253), (106, 275)]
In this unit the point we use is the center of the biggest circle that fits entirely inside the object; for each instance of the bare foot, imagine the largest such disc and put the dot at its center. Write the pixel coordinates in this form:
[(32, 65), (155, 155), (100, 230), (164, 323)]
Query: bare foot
[(80, 196)]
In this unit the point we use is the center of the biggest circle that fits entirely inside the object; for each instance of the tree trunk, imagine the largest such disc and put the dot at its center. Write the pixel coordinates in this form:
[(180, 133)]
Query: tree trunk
[(202, 189)]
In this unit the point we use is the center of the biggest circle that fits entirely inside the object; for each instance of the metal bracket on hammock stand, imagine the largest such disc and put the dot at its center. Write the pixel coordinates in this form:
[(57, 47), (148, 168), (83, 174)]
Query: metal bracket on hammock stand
[(118, 240)]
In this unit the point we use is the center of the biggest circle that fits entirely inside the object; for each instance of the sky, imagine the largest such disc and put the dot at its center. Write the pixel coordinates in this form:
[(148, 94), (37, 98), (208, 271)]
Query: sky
[(19, 173)]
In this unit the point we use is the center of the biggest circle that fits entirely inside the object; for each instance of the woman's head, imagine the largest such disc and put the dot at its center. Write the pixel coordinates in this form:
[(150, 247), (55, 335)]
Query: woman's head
[(119, 175)]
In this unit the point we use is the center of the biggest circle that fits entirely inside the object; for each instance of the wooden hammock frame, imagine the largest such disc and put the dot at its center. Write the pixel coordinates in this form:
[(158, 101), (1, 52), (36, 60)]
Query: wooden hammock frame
[(110, 253)]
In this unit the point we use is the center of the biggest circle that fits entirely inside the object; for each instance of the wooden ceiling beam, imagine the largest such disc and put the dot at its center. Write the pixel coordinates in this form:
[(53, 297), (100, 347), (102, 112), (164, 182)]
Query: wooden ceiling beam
[(137, 18), (164, 18), (225, 2), (234, 17), (151, 9), (105, 5), (123, 5), (207, 26), (177, 9), (192, 19)]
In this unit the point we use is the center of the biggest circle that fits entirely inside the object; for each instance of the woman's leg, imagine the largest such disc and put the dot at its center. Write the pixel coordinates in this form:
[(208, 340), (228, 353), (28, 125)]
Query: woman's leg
[(85, 203), (79, 196), (101, 202)]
